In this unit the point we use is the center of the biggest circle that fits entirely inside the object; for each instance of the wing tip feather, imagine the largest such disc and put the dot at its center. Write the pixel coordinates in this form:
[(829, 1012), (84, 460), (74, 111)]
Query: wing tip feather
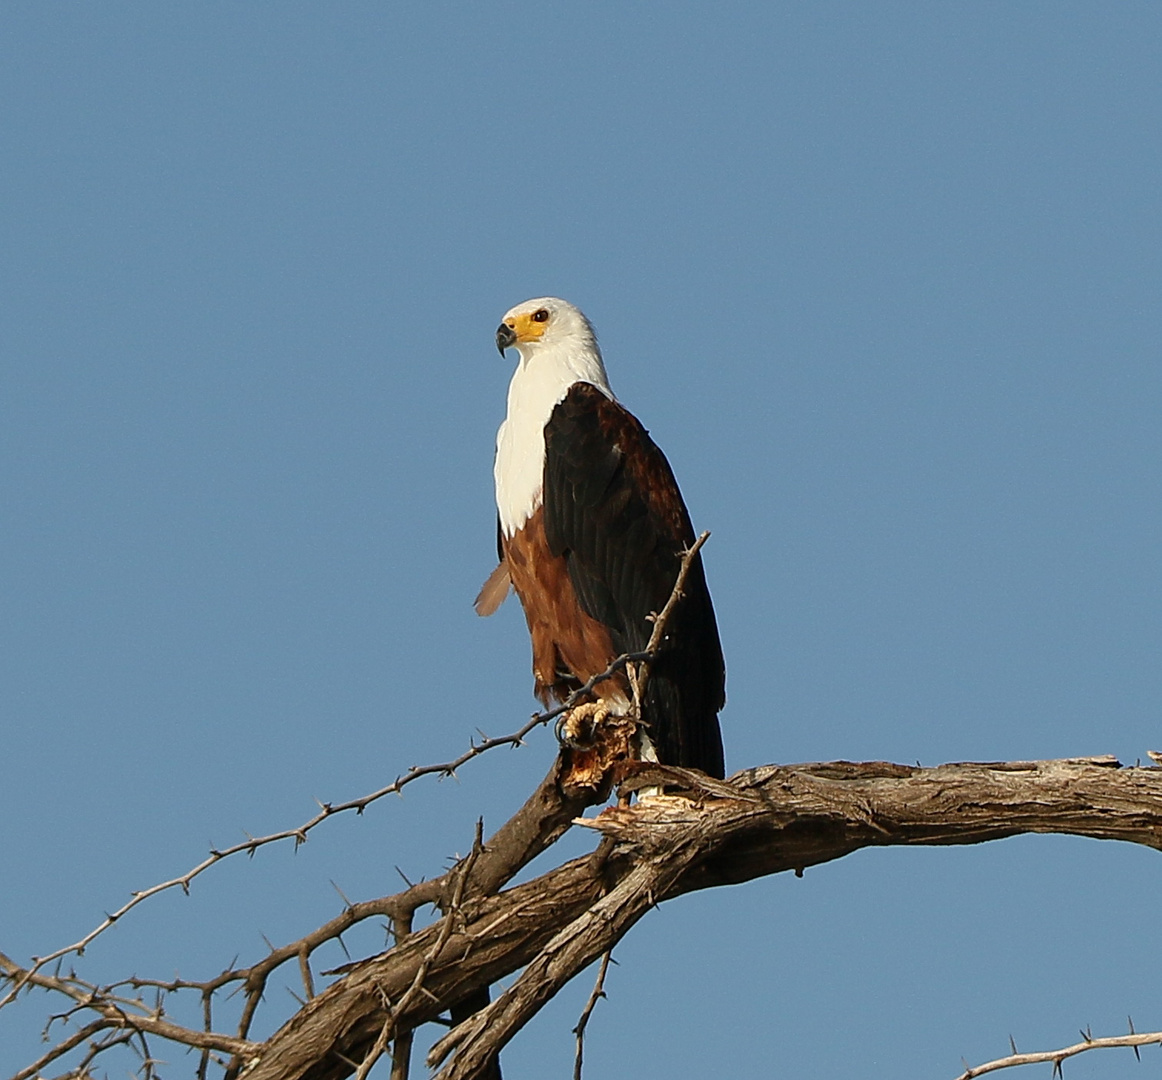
[(494, 591)]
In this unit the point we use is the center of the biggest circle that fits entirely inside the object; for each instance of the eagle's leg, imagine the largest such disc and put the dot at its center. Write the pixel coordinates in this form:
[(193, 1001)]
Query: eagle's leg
[(579, 725)]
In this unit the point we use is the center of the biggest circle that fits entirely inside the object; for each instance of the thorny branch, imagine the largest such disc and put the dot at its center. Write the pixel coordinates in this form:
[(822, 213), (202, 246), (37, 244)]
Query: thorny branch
[(595, 995), (118, 1013), (638, 664), (63, 1047), (663, 616), (1133, 1040)]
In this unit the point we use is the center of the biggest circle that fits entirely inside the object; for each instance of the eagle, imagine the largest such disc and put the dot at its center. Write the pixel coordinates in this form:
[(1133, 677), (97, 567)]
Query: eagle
[(591, 533)]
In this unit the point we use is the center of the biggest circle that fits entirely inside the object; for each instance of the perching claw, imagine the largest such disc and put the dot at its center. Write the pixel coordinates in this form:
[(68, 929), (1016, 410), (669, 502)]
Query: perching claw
[(575, 729)]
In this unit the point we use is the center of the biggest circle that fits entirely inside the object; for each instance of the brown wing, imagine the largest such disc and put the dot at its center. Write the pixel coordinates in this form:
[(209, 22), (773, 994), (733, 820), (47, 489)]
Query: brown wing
[(614, 512)]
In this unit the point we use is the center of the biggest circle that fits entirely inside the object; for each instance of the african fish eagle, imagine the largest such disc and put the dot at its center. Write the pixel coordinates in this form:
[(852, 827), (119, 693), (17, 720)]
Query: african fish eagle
[(591, 534)]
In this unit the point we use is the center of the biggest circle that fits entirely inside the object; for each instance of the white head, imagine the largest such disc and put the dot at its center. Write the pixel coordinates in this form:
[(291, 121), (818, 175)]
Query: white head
[(547, 323), (557, 348)]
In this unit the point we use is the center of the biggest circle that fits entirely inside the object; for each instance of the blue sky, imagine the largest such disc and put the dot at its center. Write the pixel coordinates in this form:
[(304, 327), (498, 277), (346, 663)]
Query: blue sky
[(883, 282)]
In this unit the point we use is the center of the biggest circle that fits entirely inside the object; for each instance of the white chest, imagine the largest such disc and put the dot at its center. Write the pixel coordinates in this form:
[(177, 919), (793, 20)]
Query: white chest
[(537, 387)]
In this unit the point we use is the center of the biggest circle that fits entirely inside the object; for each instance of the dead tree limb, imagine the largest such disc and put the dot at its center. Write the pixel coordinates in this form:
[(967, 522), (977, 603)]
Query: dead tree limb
[(763, 821)]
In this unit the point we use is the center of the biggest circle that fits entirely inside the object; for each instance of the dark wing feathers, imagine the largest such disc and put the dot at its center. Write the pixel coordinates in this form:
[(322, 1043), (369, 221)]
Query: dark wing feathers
[(613, 510)]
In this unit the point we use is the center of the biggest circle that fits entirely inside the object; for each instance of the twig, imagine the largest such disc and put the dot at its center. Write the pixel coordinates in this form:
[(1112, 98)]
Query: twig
[(62, 1048), (401, 1050), (675, 594), (115, 1011), (207, 1025), (116, 1038), (380, 1044), (639, 671), (595, 995), (1134, 1040), (401, 1055), (305, 972)]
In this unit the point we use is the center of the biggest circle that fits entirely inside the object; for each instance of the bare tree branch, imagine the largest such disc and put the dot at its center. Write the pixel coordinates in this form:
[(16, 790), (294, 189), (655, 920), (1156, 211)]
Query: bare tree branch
[(1134, 1040), (63, 1047), (327, 810), (762, 821), (663, 616), (122, 1014), (638, 669), (401, 1051), (595, 995)]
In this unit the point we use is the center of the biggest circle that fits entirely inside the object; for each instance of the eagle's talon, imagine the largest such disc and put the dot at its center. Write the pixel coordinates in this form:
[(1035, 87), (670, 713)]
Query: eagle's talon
[(577, 728)]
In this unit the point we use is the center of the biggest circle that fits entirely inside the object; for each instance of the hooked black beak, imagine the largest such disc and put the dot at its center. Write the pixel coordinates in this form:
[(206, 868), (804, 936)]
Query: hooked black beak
[(505, 337)]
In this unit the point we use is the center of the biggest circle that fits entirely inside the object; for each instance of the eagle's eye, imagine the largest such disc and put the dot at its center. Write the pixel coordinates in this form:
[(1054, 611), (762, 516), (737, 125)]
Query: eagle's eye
[(541, 315)]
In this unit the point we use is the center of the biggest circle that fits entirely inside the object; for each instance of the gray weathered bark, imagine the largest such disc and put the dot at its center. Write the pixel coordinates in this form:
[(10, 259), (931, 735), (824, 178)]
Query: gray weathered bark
[(762, 821)]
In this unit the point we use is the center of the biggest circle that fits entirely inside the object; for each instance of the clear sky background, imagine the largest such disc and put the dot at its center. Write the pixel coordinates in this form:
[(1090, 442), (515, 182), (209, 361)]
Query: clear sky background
[(883, 281)]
